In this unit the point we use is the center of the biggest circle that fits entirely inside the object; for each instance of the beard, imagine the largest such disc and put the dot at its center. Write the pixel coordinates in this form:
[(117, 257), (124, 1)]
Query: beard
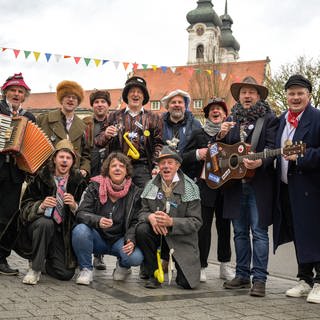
[(176, 115)]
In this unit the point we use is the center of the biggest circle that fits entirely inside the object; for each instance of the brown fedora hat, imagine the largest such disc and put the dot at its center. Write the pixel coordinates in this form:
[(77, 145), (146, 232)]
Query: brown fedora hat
[(248, 81)]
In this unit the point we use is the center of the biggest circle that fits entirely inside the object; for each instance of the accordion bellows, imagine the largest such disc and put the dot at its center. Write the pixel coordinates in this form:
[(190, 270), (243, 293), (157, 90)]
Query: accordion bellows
[(26, 140)]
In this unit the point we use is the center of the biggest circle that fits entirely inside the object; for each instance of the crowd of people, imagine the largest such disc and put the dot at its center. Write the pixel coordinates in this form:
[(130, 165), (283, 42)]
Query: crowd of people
[(138, 186)]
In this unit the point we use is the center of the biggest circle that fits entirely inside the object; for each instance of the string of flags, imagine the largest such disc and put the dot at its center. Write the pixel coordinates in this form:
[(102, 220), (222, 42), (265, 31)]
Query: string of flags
[(100, 62)]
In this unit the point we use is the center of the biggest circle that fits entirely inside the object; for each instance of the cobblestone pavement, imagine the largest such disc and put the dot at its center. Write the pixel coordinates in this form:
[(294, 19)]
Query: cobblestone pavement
[(107, 299)]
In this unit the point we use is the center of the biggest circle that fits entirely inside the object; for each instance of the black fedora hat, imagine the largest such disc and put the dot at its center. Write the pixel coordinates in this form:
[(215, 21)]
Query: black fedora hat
[(135, 82), (248, 81)]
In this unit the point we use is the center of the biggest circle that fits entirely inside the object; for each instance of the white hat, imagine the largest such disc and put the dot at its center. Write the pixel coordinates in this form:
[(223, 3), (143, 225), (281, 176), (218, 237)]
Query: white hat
[(165, 100)]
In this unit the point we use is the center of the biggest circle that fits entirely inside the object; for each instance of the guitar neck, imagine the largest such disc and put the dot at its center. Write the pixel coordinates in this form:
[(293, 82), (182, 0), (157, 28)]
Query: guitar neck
[(267, 153)]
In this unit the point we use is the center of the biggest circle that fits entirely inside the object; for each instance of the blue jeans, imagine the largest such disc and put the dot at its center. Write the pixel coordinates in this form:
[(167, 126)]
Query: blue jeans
[(86, 241), (249, 220)]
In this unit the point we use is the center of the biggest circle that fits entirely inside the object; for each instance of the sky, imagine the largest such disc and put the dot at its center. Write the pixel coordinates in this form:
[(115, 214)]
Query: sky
[(149, 32)]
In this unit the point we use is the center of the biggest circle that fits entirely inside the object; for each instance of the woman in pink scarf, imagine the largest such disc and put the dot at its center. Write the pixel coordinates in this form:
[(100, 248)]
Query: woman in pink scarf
[(106, 218)]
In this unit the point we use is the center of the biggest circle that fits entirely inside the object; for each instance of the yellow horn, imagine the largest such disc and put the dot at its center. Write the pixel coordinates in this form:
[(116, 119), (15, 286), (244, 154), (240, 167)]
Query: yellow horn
[(159, 274), (132, 152)]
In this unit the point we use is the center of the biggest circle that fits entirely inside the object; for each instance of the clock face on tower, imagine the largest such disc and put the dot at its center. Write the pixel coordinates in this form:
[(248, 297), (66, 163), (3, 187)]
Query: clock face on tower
[(200, 30)]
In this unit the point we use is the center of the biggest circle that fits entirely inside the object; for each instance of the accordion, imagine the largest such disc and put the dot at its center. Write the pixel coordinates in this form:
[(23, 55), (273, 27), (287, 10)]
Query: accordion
[(25, 140)]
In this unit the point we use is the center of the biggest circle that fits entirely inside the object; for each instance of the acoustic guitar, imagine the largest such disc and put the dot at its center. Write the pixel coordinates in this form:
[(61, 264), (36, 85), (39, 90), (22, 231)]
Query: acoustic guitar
[(225, 162)]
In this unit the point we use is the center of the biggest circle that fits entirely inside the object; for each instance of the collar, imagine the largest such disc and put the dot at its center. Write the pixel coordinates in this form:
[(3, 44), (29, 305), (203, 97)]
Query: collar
[(11, 109), (133, 113), (175, 179)]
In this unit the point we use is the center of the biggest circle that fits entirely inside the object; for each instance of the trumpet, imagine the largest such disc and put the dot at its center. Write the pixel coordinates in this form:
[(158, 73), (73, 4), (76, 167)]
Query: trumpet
[(132, 152), (159, 274)]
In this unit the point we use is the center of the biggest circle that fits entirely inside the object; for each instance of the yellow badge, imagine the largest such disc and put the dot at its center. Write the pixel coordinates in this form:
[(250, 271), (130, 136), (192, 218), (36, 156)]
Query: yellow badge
[(146, 133)]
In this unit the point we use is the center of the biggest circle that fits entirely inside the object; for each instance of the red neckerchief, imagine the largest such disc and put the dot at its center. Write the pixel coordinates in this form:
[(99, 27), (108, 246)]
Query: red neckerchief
[(293, 118)]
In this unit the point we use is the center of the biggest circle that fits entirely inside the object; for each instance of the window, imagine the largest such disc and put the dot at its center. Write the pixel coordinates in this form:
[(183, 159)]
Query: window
[(197, 104), (200, 51), (155, 105)]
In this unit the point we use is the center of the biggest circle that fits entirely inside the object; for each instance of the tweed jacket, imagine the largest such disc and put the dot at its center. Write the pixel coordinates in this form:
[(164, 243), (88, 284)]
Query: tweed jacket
[(52, 124), (150, 145)]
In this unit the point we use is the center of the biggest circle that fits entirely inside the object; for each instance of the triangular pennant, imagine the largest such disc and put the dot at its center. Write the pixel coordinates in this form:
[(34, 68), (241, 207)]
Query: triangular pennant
[(116, 64), (48, 56), (154, 67), (173, 69), (216, 71), (144, 66), (16, 52), (164, 68), (198, 70), (87, 61), (135, 66), (97, 62), (209, 71), (27, 54), (125, 65), (104, 61), (66, 57), (77, 59), (223, 75), (57, 57), (36, 55), (4, 49)]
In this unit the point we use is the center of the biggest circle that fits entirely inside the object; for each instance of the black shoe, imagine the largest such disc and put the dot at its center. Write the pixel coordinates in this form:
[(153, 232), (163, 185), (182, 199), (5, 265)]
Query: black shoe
[(258, 289), (143, 274), (98, 262), (6, 270), (153, 283), (237, 283)]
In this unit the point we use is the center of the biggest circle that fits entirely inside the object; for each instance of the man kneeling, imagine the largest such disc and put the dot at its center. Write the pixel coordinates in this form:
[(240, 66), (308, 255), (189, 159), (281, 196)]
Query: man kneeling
[(170, 219)]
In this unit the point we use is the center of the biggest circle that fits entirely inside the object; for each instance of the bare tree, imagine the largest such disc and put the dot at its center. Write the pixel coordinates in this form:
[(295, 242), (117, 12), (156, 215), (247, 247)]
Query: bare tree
[(308, 67)]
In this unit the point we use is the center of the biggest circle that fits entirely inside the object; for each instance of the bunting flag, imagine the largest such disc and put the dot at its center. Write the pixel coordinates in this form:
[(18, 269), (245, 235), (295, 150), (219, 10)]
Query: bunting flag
[(100, 62)]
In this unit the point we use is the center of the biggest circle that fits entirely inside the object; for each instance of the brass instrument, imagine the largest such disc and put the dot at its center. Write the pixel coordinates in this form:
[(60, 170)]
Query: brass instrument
[(159, 274), (132, 152)]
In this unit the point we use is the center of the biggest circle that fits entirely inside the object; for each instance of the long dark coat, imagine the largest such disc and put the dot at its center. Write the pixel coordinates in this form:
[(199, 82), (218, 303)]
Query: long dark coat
[(42, 187), (304, 190), (263, 180), (186, 214)]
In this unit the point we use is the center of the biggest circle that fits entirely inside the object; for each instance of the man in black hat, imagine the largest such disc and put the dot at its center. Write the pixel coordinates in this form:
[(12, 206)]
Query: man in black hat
[(170, 219), (135, 131), (247, 202), (297, 216), (14, 92), (194, 157)]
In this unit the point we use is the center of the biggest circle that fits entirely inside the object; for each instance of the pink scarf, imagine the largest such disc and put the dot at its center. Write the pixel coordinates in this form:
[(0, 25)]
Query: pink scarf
[(107, 187)]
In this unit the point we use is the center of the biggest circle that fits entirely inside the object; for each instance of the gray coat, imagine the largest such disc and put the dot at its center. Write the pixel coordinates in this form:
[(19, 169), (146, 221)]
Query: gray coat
[(186, 212)]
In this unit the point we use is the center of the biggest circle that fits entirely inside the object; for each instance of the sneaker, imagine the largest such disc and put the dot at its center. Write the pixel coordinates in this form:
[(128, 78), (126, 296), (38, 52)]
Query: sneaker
[(258, 289), (84, 277), (152, 283), (6, 270), (314, 294), (237, 283), (203, 276), (98, 262), (300, 290), (32, 277), (226, 272), (121, 273)]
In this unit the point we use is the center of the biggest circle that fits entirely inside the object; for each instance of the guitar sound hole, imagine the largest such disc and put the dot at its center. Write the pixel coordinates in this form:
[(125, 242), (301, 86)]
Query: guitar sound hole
[(233, 161)]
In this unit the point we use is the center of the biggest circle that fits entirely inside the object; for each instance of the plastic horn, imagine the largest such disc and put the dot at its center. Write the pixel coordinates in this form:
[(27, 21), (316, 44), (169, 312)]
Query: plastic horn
[(159, 274), (132, 152)]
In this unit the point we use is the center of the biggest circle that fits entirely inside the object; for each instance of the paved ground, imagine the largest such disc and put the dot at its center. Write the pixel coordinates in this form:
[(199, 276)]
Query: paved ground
[(106, 299)]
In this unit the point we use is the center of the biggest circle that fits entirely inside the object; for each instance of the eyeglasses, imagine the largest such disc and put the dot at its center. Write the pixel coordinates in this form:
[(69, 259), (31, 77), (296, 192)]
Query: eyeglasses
[(73, 97)]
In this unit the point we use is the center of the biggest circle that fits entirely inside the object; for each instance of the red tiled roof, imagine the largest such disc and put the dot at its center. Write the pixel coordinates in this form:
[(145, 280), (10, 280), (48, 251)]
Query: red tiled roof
[(200, 81)]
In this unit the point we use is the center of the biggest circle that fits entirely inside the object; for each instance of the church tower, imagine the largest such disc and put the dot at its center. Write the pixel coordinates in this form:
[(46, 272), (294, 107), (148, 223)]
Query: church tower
[(210, 36)]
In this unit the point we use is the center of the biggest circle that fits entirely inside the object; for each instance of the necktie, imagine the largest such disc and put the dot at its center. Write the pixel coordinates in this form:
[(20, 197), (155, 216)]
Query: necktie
[(58, 211)]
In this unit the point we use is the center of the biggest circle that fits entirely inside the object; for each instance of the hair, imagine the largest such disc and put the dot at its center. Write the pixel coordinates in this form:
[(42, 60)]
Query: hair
[(26, 94), (120, 157)]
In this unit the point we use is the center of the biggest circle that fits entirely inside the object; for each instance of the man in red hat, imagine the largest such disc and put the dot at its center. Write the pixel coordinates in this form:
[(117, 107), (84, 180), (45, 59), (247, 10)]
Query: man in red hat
[(245, 200), (14, 92)]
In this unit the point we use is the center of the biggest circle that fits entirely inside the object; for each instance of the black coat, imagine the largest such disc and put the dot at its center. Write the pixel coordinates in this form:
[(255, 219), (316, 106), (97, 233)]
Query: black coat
[(304, 190), (41, 187), (193, 167), (90, 208), (263, 180)]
